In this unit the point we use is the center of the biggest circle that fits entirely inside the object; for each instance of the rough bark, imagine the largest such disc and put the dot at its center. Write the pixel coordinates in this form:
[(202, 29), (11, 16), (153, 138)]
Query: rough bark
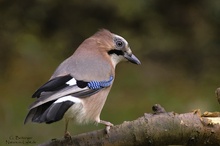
[(158, 128)]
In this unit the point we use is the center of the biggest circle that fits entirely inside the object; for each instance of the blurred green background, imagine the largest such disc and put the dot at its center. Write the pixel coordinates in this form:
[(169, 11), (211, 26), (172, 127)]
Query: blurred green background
[(177, 42)]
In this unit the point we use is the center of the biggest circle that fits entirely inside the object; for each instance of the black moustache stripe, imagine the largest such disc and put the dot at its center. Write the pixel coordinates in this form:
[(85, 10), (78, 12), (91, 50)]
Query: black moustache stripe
[(117, 52)]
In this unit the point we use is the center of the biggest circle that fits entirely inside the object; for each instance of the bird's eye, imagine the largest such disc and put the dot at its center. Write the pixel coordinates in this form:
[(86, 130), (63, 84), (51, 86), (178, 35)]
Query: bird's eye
[(119, 43)]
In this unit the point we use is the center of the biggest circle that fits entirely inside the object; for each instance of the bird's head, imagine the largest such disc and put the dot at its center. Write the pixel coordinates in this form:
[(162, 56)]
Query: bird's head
[(117, 47)]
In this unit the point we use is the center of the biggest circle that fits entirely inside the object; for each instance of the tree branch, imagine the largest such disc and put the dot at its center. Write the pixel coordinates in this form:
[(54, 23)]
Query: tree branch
[(158, 128)]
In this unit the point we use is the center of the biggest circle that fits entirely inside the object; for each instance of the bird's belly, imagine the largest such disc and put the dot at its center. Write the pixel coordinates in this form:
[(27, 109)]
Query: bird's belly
[(88, 110), (76, 113), (81, 115)]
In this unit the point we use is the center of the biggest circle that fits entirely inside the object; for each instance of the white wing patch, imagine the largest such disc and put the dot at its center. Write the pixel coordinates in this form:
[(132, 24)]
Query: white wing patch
[(68, 98), (71, 82)]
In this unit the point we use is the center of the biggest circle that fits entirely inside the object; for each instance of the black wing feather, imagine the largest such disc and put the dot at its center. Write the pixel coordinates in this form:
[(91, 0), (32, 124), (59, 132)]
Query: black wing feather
[(55, 112), (48, 113), (35, 113), (53, 85)]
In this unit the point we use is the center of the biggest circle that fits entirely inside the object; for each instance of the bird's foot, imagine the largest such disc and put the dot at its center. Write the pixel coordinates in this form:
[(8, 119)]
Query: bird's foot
[(107, 124), (67, 135)]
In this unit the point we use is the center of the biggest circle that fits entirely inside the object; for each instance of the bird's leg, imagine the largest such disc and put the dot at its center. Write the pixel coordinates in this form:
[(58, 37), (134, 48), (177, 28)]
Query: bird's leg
[(66, 133), (107, 124)]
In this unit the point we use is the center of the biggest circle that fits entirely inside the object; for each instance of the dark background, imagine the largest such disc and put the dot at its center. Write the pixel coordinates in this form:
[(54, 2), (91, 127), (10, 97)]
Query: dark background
[(177, 42)]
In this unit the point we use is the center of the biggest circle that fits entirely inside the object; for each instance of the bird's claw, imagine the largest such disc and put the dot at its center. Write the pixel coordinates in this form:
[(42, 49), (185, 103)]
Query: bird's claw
[(108, 126), (107, 129), (67, 135)]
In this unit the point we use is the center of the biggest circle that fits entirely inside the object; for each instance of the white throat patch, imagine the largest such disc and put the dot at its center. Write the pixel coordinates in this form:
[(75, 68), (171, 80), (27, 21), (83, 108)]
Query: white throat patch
[(116, 59)]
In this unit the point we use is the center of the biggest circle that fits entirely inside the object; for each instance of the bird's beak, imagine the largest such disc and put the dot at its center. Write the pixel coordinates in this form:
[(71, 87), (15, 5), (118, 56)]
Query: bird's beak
[(131, 58)]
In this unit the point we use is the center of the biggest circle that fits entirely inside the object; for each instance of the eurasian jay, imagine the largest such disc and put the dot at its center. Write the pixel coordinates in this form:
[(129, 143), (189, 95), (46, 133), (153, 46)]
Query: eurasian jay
[(80, 85)]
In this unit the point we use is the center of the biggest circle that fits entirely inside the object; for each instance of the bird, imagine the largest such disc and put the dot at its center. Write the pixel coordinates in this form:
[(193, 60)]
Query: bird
[(78, 88)]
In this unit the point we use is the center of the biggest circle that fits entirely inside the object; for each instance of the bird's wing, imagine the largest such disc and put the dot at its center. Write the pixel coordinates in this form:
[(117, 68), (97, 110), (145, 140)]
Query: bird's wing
[(53, 85), (67, 85)]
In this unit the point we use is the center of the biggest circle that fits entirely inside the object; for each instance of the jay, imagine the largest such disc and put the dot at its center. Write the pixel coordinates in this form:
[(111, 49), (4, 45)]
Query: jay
[(79, 87)]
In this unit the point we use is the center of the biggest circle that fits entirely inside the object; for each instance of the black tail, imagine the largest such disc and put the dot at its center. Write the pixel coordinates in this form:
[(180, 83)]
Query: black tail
[(49, 112)]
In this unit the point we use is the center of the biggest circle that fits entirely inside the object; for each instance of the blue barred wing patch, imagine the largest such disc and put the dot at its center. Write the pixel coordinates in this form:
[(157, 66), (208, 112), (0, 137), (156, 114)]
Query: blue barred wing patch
[(95, 85)]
